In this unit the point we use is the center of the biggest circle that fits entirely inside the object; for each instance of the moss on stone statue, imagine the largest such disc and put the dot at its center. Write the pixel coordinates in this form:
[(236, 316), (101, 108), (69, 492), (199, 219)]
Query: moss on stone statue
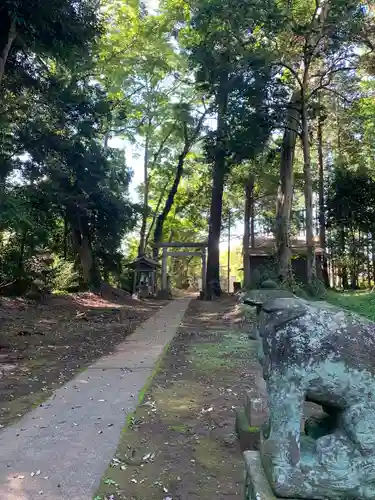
[(269, 285)]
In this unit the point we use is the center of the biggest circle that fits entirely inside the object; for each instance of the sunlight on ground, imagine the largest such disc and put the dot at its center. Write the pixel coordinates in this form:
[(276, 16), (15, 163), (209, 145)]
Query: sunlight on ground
[(359, 301)]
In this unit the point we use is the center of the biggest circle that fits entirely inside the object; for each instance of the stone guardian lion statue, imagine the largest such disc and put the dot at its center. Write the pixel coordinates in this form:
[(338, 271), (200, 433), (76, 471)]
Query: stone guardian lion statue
[(316, 352)]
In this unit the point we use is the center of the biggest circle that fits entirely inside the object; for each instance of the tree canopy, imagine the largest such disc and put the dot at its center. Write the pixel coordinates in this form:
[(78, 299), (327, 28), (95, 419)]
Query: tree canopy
[(252, 116)]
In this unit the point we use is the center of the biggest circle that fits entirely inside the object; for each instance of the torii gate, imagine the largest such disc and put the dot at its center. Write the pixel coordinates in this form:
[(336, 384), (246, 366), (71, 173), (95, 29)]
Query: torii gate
[(200, 252)]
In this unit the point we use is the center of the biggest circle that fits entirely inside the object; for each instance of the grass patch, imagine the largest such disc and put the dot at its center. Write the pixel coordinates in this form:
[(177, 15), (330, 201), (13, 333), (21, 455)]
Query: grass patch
[(181, 428), (176, 442), (179, 399), (232, 349), (209, 454), (359, 301)]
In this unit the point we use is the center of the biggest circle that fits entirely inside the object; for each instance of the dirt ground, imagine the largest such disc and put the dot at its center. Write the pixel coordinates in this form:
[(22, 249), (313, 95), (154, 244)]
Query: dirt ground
[(180, 444), (44, 345)]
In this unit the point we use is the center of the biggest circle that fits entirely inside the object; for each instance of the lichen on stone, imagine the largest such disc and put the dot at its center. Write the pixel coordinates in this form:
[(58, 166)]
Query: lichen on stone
[(320, 353)]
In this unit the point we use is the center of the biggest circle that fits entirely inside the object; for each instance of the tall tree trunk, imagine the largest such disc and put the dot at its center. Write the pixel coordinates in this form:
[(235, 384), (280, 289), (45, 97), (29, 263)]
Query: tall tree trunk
[(218, 175), (308, 191), (82, 243), (344, 269), (252, 225), (168, 203), (6, 41), (22, 253), (142, 236), (285, 191), (85, 254), (368, 260), (213, 251), (322, 214), (106, 140), (65, 237), (353, 263), (332, 266), (311, 41), (249, 211), (154, 217)]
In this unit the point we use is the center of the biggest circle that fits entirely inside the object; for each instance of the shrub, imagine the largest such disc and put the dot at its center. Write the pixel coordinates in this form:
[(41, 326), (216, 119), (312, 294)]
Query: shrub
[(64, 276)]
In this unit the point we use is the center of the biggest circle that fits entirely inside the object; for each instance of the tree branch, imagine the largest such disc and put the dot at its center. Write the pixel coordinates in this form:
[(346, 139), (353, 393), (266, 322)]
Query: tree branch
[(293, 71), (12, 35), (330, 89), (156, 212), (162, 144), (330, 71)]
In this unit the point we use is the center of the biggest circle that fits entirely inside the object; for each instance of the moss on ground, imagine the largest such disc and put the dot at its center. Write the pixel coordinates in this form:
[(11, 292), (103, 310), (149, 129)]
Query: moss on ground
[(179, 400), (209, 454), (181, 428), (233, 348), (17, 407), (158, 367), (176, 442), (360, 301)]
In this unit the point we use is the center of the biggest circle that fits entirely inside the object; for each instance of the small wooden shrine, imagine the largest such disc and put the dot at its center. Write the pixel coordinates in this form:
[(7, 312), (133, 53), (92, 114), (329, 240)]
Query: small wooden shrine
[(144, 282)]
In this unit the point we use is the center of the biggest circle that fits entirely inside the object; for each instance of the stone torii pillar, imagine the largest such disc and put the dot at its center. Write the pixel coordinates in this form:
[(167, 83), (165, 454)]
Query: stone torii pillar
[(199, 252), (164, 280)]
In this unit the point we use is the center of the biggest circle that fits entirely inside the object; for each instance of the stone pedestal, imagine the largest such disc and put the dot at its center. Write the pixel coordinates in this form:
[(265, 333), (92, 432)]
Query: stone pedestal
[(254, 413), (256, 409), (249, 437), (257, 486)]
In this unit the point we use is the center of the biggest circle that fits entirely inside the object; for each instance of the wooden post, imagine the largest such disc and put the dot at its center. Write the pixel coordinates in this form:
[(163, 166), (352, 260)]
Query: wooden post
[(204, 269), (134, 282), (164, 282)]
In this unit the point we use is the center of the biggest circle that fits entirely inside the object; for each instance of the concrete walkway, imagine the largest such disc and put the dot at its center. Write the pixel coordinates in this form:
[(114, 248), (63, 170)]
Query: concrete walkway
[(61, 449)]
